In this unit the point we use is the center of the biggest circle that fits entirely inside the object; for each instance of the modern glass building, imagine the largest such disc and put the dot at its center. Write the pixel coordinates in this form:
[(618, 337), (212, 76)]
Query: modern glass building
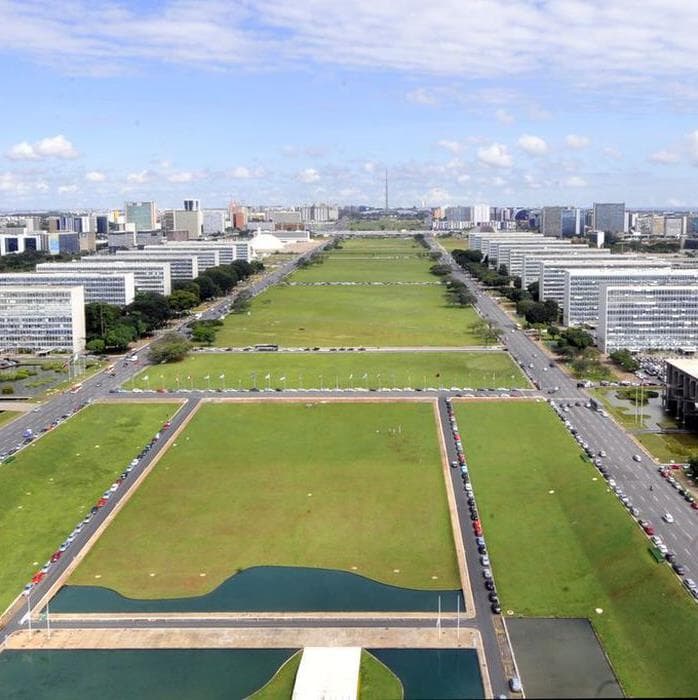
[(609, 217), (142, 214)]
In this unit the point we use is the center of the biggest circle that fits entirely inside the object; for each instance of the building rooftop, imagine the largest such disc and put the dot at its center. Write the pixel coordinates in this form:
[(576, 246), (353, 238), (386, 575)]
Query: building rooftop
[(688, 366)]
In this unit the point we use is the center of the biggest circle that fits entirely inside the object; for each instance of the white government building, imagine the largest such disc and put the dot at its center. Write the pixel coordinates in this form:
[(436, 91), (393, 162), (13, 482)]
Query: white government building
[(583, 288), (644, 317), (42, 318), (116, 288), (148, 276)]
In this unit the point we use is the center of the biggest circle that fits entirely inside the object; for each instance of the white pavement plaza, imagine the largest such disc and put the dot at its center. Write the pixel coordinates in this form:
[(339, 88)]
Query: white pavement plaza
[(328, 673)]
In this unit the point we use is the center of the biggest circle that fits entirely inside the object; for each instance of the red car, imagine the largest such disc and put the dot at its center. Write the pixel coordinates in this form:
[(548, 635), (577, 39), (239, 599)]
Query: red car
[(38, 577), (166, 425), (676, 466), (101, 502), (647, 526), (694, 505), (56, 556)]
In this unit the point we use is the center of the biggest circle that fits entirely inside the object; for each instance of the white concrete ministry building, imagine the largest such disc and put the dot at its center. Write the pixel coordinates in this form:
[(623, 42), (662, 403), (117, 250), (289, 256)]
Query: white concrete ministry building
[(183, 266), (42, 318), (116, 288), (640, 318), (148, 276), (583, 288)]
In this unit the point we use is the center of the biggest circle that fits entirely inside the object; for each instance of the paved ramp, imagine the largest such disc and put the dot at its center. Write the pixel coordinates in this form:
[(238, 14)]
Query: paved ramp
[(328, 673)]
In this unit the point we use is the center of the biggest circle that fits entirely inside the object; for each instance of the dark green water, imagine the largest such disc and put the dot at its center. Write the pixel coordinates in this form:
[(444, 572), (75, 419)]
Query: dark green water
[(426, 674), (158, 674), (270, 589)]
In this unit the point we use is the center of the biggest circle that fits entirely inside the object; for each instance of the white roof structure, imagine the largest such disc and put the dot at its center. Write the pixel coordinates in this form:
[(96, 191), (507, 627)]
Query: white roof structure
[(328, 673), (266, 243), (688, 366)]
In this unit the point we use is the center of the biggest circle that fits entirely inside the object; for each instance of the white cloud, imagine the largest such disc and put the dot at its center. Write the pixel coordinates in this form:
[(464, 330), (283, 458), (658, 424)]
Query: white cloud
[(369, 166), (67, 189), (575, 181), (533, 145), (49, 147), (463, 177), (95, 176), (183, 176), (308, 175), (451, 146), (576, 141), (140, 177), (498, 181), (613, 153), (664, 157), (503, 117), (421, 96), (495, 155)]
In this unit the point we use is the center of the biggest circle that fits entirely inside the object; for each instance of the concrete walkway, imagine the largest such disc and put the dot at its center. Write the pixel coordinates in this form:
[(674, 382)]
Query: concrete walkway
[(328, 673)]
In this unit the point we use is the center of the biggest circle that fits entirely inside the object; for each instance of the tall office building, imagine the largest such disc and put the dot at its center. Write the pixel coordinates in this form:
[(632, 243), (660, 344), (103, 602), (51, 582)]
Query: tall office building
[(609, 217), (551, 222), (142, 214), (192, 205), (42, 318)]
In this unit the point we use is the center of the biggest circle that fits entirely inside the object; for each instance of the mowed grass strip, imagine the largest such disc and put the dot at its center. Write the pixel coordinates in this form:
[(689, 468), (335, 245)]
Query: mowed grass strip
[(561, 545), (367, 268), (390, 245), (7, 416), (342, 370), (670, 447), (355, 487), (356, 316), (49, 487)]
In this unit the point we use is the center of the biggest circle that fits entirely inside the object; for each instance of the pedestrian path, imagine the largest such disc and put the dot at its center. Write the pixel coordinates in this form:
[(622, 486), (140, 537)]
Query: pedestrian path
[(328, 673)]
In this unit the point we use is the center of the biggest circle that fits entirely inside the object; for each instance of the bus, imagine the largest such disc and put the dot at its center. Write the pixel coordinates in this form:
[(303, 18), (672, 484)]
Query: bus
[(75, 389), (266, 347)]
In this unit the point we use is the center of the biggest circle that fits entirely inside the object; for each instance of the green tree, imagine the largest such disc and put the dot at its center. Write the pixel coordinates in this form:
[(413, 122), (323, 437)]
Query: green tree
[(96, 345), (100, 317), (533, 289), (172, 347), (151, 308), (203, 334), (625, 359), (118, 337), (692, 470), (223, 277), (208, 289), (186, 286), (181, 300)]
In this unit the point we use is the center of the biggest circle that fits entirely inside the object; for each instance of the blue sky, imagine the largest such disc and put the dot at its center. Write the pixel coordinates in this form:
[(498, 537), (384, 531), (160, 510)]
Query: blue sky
[(279, 102)]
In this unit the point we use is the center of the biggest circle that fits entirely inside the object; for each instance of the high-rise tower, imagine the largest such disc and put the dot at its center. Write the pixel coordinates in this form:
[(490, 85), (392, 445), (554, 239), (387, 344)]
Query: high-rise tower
[(386, 190)]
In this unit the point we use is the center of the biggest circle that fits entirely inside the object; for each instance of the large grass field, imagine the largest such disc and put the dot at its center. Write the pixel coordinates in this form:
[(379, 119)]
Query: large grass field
[(561, 545), (368, 268), (355, 316), (451, 243), (343, 370), (355, 487), (50, 486)]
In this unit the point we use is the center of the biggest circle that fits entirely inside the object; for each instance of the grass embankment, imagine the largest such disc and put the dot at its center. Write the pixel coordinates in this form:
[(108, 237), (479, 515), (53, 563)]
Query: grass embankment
[(562, 545), (280, 687), (49, 486), (343, 370), (670, 447), (386, 267), (355, 487), (354, 316), (7, 416), (451, 243)]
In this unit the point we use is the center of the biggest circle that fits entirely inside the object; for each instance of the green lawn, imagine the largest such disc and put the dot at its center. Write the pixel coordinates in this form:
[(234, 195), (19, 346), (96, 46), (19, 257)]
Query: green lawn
[(562, 545), (343, 370), (50, 486), (7, 416), (338, 486), (670, 447), (280, 687), (356, 316), (387, 267), (392, 245), (377, 681), (451, 243), (624, 415)]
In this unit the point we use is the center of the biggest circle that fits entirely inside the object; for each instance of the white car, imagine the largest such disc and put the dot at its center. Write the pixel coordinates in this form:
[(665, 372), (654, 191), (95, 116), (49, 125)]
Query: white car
[(668, 518), (637, 458)]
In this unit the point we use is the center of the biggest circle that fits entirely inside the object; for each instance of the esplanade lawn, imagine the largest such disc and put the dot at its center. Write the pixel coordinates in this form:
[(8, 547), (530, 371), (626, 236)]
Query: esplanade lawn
[(334, 370), (51, 485), (562, 545), (357, 487)]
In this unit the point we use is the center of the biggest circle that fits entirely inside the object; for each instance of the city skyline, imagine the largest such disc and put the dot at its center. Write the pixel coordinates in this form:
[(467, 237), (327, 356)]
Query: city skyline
[(278, 105)]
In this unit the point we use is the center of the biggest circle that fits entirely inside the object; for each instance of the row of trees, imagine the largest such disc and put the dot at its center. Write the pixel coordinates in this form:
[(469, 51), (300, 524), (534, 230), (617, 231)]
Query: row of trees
[(111, 328)]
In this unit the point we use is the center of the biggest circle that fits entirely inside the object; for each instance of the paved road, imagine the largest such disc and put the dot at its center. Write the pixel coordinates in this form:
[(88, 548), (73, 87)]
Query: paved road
[(601, 433)]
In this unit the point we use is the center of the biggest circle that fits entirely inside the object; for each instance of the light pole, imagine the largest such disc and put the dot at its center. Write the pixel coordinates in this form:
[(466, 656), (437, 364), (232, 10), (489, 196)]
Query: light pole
[(321, 383), (254, 380)]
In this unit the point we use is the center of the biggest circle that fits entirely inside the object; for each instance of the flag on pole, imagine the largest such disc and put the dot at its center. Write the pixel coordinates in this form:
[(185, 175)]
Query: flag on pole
[(351, 376), (208, 376), (222, 376), (365, 376), (282, 379), (267, 376), (188, 376), (146, 378)]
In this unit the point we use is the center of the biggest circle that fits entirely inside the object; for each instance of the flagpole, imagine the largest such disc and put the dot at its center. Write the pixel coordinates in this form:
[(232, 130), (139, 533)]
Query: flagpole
[(48, 621), (458, 616), (29, 610)]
